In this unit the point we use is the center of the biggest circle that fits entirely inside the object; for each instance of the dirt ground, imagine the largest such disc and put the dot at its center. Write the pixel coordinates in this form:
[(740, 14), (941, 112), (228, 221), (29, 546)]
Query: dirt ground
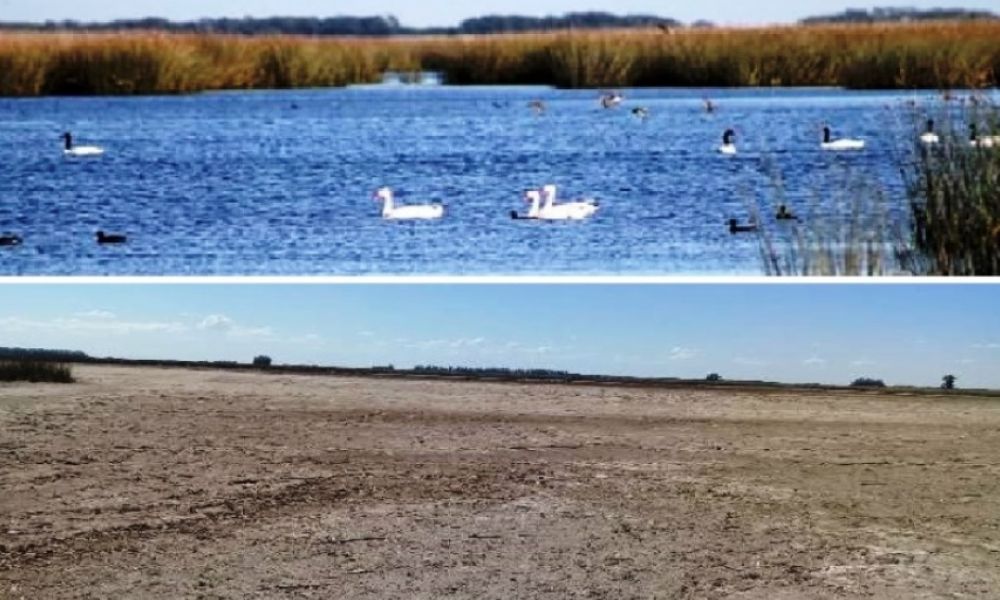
[(168, 483)]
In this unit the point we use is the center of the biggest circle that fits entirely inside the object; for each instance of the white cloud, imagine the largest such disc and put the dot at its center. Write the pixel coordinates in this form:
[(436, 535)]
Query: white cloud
[(862, 363), (814, 361), (987, 346), (92, 324), (682, 353), (216, 323), (224, 324), (96, 322)]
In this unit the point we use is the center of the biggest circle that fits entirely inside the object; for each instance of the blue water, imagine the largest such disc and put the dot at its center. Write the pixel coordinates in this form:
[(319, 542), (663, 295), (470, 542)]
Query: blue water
[(280, 183)]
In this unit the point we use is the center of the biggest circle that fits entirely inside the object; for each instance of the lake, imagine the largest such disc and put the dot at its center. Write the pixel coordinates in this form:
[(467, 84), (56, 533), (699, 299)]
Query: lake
[(280, 183)]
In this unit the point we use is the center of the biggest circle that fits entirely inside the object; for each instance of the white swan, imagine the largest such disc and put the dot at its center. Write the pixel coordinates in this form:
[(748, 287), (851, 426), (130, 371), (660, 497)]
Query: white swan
[(842, 144), (568, 211), (417, 211), (728, 147), (70, 150), (982, 141), (534, 198), (929, 137)]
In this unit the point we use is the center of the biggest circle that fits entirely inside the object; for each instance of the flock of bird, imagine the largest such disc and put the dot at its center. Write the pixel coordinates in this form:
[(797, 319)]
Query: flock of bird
[(543, 204)]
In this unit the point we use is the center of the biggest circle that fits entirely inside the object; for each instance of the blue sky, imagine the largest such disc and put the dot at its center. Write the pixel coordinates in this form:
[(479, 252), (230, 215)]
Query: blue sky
[(906, 334), (448, 12)]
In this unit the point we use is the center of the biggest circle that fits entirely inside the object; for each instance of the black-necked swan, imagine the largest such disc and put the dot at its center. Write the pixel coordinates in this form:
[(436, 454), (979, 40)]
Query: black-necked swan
[(842, 144), (70, 150), (734, 227), (567, 211), (10, 240), (110, 238), (399, 213), (929, 137), (784, 214), (728, 146), (984, 141)]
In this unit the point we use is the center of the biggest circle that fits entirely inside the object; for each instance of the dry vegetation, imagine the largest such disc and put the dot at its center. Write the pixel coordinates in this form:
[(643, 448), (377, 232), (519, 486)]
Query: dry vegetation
[(928, 55), (35, 371)]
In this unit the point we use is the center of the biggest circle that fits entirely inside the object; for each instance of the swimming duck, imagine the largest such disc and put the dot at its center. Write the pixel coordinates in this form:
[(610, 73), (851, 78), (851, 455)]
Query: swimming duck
[(784, 214), (734, 227), (112, 238), (642, 112), (537, 106), (10, 240)]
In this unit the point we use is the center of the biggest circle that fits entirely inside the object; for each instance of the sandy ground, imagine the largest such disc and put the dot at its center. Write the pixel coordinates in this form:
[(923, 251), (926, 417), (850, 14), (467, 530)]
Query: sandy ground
[(159, 483)]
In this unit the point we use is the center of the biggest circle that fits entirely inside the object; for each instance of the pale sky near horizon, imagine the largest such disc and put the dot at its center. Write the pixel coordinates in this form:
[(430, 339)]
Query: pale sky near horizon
[(448, 12), (904, 334)]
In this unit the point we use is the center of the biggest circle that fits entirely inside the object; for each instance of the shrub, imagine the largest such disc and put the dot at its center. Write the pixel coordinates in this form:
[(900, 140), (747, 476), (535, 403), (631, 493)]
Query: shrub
[(35, 371), (262, 361)]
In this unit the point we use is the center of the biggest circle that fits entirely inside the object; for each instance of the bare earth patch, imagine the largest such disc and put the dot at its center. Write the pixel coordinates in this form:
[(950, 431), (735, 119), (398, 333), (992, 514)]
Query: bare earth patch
[(167, 483)]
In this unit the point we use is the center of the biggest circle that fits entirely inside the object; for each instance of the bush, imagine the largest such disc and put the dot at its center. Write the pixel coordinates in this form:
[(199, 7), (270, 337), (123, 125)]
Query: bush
[(713, 377), (867, 382), (262, 361), (35, 371)]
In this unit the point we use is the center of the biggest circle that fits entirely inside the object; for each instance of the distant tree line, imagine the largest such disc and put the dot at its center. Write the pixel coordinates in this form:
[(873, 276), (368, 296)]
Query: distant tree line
[(495, 372), (359, 26), (868, 382), (899, 15), (42, 354)]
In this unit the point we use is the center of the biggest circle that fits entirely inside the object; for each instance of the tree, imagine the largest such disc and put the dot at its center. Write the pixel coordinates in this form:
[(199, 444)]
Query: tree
[(713, 377), (263, 361), (948, 382)]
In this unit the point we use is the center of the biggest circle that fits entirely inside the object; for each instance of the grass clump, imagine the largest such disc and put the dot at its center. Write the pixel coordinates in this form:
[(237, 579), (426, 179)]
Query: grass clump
[(35, 371)]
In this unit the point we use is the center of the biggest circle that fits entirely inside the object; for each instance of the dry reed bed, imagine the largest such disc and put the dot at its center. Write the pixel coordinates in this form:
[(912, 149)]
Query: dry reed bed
[(928, 55)]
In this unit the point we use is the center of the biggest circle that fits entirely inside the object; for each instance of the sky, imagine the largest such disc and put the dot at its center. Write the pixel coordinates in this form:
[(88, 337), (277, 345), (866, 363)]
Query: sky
[(903, 334), (449, 12)]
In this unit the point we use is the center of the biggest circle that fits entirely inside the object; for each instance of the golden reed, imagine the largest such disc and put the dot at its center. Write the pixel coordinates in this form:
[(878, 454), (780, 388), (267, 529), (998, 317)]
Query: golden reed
[(936, 55)]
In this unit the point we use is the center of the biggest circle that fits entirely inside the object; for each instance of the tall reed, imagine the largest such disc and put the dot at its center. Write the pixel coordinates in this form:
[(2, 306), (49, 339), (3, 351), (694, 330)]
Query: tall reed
[(936, 55), (954, 189)]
